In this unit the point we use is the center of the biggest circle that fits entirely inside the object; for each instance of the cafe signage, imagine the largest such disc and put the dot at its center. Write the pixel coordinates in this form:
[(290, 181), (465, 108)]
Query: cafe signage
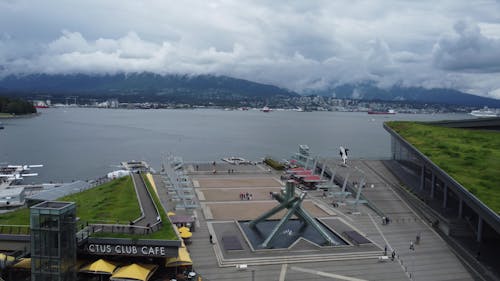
[(127, 247)]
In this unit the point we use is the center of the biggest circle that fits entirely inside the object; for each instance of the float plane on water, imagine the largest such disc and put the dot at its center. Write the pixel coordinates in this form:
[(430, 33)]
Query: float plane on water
[(17, 172)]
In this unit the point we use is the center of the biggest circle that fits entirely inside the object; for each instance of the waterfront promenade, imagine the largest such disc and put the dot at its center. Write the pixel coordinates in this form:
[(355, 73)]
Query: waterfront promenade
[(432, 258), (218, 196)]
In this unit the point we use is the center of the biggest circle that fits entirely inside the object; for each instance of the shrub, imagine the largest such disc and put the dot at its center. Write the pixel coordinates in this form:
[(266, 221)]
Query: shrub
[(274, 164)]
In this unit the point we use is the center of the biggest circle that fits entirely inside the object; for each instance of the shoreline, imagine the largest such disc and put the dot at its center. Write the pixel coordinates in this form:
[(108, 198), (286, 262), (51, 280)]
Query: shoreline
[(6, 116)]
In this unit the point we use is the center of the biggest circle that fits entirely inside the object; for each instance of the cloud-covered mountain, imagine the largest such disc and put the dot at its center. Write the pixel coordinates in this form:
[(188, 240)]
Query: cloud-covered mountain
[(294, 44), (144, 84), (210, 88), (369, 91)]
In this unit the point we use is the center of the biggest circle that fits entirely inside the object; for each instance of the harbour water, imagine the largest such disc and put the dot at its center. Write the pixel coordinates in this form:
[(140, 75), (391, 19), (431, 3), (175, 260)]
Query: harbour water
[(80, 143)]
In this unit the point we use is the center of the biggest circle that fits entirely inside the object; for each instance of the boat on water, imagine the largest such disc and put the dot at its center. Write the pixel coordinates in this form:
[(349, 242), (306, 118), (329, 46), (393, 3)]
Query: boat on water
[(390, 111), (485, 112), (266, 109)]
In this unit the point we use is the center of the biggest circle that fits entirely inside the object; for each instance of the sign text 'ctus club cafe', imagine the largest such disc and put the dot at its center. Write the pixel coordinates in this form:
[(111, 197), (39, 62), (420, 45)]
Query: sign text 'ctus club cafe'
[(132, 249)]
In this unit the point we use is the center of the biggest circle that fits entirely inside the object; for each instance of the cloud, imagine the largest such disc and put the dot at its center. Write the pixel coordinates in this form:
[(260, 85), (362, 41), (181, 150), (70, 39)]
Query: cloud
[(467, 50), (298, 45)]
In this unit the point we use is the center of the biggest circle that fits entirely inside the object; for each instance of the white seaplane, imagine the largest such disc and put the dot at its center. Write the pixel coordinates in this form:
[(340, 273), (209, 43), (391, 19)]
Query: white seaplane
[(17, 172)]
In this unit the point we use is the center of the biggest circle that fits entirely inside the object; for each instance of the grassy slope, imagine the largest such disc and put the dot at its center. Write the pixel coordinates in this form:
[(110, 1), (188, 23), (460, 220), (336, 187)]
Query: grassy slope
[(19, 217), (166, 232), (471, 157), (111, 202), (107, 203), (5, 115)]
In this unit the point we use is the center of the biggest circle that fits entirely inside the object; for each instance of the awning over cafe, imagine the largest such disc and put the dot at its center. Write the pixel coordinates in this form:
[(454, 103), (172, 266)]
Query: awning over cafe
[(134, 271)]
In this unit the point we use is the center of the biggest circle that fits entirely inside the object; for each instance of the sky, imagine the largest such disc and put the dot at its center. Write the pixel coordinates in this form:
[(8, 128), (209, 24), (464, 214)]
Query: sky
[(300, 45)]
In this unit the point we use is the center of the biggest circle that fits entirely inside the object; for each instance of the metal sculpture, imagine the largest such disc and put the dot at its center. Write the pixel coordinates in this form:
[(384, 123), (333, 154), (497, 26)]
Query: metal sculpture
[(288, 200)]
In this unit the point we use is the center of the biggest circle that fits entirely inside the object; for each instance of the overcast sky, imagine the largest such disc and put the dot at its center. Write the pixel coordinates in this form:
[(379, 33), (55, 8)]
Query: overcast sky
[(293, 44)]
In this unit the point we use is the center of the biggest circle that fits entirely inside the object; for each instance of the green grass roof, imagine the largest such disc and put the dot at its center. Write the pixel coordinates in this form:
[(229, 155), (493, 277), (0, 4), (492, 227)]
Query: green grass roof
[(112, 202), (166, 232), (471, 157)]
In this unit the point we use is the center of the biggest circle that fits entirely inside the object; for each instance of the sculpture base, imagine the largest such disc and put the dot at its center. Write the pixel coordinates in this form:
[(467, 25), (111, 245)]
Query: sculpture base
[(291, 231)]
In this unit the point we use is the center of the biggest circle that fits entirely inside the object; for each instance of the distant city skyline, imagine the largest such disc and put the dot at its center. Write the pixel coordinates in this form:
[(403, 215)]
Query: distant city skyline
[(297, 45)]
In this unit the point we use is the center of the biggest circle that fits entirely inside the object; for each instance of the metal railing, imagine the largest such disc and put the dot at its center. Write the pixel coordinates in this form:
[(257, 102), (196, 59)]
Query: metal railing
[(15, 229), (117, 229)]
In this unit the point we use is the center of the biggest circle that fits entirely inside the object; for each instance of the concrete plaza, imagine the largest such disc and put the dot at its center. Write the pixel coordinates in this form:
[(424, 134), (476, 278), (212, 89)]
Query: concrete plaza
[(220, 206)]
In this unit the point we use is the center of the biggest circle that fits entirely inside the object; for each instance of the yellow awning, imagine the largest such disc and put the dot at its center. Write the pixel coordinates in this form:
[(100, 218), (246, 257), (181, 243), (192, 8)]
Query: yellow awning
[(183, 259), (24, 263), (4, 257), (135, 271), (99, 266), (182, 229), (170, 214)]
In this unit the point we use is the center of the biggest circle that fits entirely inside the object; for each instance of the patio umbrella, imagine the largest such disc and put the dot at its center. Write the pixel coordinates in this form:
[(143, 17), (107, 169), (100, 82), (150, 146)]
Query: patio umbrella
[(5, 257), (24, 263), (183, 229), (99, 267), (183, 259), (186, 234), (134, 272), (5, 260)]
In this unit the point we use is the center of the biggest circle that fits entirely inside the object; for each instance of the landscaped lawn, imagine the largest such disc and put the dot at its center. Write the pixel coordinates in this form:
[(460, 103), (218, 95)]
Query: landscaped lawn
[(5, 115), (107, 203), (471, 157), (112, 202), (19, 217), (166, 232)]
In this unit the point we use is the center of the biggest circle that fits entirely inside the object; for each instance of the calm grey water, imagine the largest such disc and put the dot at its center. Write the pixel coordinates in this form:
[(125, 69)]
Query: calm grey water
[(78, 143)]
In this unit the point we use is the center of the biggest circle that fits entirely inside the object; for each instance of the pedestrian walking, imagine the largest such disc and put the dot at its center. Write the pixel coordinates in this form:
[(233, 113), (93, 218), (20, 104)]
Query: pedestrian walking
[(417, 239), (393, 255), (211, 239), (385, 250)]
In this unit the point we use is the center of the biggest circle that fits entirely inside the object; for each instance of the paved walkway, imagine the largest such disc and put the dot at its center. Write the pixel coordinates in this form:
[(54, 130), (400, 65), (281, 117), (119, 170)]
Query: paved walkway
[(149, 211), (432, 259)]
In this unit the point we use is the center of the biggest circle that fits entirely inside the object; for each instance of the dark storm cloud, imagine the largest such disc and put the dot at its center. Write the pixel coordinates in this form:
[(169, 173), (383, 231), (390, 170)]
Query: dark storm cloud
[(467, 50), (293, 44)]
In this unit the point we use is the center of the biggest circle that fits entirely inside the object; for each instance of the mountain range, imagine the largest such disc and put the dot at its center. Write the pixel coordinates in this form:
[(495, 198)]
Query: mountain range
[(158, 87), (210, 88), (369, 91)]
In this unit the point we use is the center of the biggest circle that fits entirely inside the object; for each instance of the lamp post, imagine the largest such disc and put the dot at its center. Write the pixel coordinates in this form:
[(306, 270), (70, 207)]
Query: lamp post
[(253, 274)]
